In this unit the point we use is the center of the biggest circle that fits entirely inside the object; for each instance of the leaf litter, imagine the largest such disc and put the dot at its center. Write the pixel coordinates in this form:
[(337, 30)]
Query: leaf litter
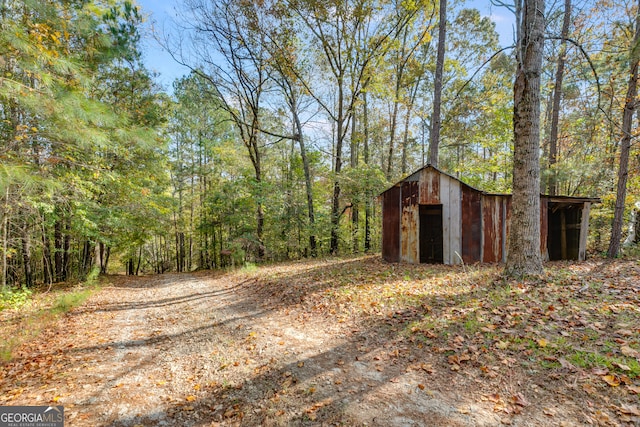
[(354, 341)]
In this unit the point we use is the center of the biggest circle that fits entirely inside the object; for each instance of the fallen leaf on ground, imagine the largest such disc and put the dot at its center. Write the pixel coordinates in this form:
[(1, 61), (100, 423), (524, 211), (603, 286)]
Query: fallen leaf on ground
[(612, 380), (622, 366), (629, 410), (629, 352), (519, 399), (589, 388), (600, 371)]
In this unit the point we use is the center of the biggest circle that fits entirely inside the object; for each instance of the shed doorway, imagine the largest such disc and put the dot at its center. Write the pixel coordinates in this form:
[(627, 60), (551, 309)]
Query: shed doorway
[(431, 241), (564, 231)]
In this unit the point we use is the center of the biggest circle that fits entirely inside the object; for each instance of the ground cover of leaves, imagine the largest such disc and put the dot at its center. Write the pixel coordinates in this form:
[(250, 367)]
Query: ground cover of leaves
[(350, 342)]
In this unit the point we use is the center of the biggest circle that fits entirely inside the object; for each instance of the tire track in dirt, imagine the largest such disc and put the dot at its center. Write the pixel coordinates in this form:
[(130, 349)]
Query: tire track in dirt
[(198, 349)]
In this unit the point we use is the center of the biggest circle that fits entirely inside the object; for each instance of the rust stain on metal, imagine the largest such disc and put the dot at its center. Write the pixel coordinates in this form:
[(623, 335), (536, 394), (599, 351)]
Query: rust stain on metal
[(391, 225), (471, 224), (429, 187), (409, 226), (492, 219)]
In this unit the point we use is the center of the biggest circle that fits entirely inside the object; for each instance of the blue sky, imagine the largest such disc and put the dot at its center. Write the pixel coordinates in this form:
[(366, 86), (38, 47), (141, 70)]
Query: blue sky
[(160, 12)]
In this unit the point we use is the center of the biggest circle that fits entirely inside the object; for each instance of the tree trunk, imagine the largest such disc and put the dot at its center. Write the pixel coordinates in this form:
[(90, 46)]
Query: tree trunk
[(98, 258), (394, 121), (355, 210), (139, 260), (58, 250), (5, 239), (105, 266), (407, 121), (365, 158), (434, 139), (66, 248), (299, 136), (26, 257), (523, 257), (46, 256), (309, 189), (335, 201), (85, 264), (557, 96), (625, 144)]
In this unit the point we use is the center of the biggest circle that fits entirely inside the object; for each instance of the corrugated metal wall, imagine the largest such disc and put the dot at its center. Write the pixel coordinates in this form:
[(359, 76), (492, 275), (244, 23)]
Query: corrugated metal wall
[(475, 225), (471, 225), (409, 226), (451, 199), (391, 224), (493, 236)]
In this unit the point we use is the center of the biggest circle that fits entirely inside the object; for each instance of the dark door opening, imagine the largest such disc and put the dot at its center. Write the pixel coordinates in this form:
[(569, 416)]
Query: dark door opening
[(563, 241), (431, 234)]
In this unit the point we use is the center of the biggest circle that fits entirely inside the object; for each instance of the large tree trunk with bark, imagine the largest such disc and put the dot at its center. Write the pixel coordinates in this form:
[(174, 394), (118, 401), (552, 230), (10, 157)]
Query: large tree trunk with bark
[(523, 257), (625, 143)]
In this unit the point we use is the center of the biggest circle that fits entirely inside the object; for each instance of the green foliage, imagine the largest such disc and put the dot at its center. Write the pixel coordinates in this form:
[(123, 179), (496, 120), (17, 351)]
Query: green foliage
[(68, 301), (14, 298)]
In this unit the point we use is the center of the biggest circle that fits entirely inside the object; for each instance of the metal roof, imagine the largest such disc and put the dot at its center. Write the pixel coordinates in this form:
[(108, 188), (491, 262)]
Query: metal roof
[(555, 199)]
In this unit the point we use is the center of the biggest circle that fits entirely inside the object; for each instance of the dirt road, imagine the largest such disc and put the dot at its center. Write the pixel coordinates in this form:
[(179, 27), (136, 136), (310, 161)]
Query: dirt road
[(222, 349)]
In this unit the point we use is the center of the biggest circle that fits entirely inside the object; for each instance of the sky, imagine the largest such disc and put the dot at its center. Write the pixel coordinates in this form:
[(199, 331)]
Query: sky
[(159, 14)]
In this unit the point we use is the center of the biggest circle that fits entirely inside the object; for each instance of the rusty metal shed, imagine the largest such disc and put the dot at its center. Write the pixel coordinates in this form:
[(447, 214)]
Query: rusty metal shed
[(433, 217)]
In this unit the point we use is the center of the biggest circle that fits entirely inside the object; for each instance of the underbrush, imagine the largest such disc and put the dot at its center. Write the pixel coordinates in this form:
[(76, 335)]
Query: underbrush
[(14, 298), (25, 313)]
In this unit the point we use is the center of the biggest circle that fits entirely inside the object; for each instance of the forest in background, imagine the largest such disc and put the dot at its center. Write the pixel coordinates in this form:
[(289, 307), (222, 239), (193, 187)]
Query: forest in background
[(295, 116)]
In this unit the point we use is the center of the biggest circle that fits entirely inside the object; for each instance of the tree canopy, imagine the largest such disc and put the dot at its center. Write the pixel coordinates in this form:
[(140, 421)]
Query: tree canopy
[(294, 117)]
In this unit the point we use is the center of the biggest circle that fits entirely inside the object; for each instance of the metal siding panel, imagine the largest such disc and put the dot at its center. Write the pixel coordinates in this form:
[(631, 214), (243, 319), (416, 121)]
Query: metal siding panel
[(471, 225), (425, 188), (491, 215), (391, 225), (409, 227), (455, 221), (446, 218), (429, 187)]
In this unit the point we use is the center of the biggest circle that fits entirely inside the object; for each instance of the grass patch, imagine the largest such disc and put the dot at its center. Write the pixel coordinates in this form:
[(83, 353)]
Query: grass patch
[(67, 302), (590, 360), (26, 313)]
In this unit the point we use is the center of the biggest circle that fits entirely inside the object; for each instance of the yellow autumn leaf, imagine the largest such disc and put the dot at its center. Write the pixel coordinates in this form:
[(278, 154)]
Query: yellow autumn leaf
[(612, 380), (542, 342), (191, 398)]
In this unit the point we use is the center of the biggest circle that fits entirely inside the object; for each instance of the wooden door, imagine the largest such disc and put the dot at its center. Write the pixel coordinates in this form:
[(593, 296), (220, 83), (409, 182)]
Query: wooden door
[(431, 234)]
